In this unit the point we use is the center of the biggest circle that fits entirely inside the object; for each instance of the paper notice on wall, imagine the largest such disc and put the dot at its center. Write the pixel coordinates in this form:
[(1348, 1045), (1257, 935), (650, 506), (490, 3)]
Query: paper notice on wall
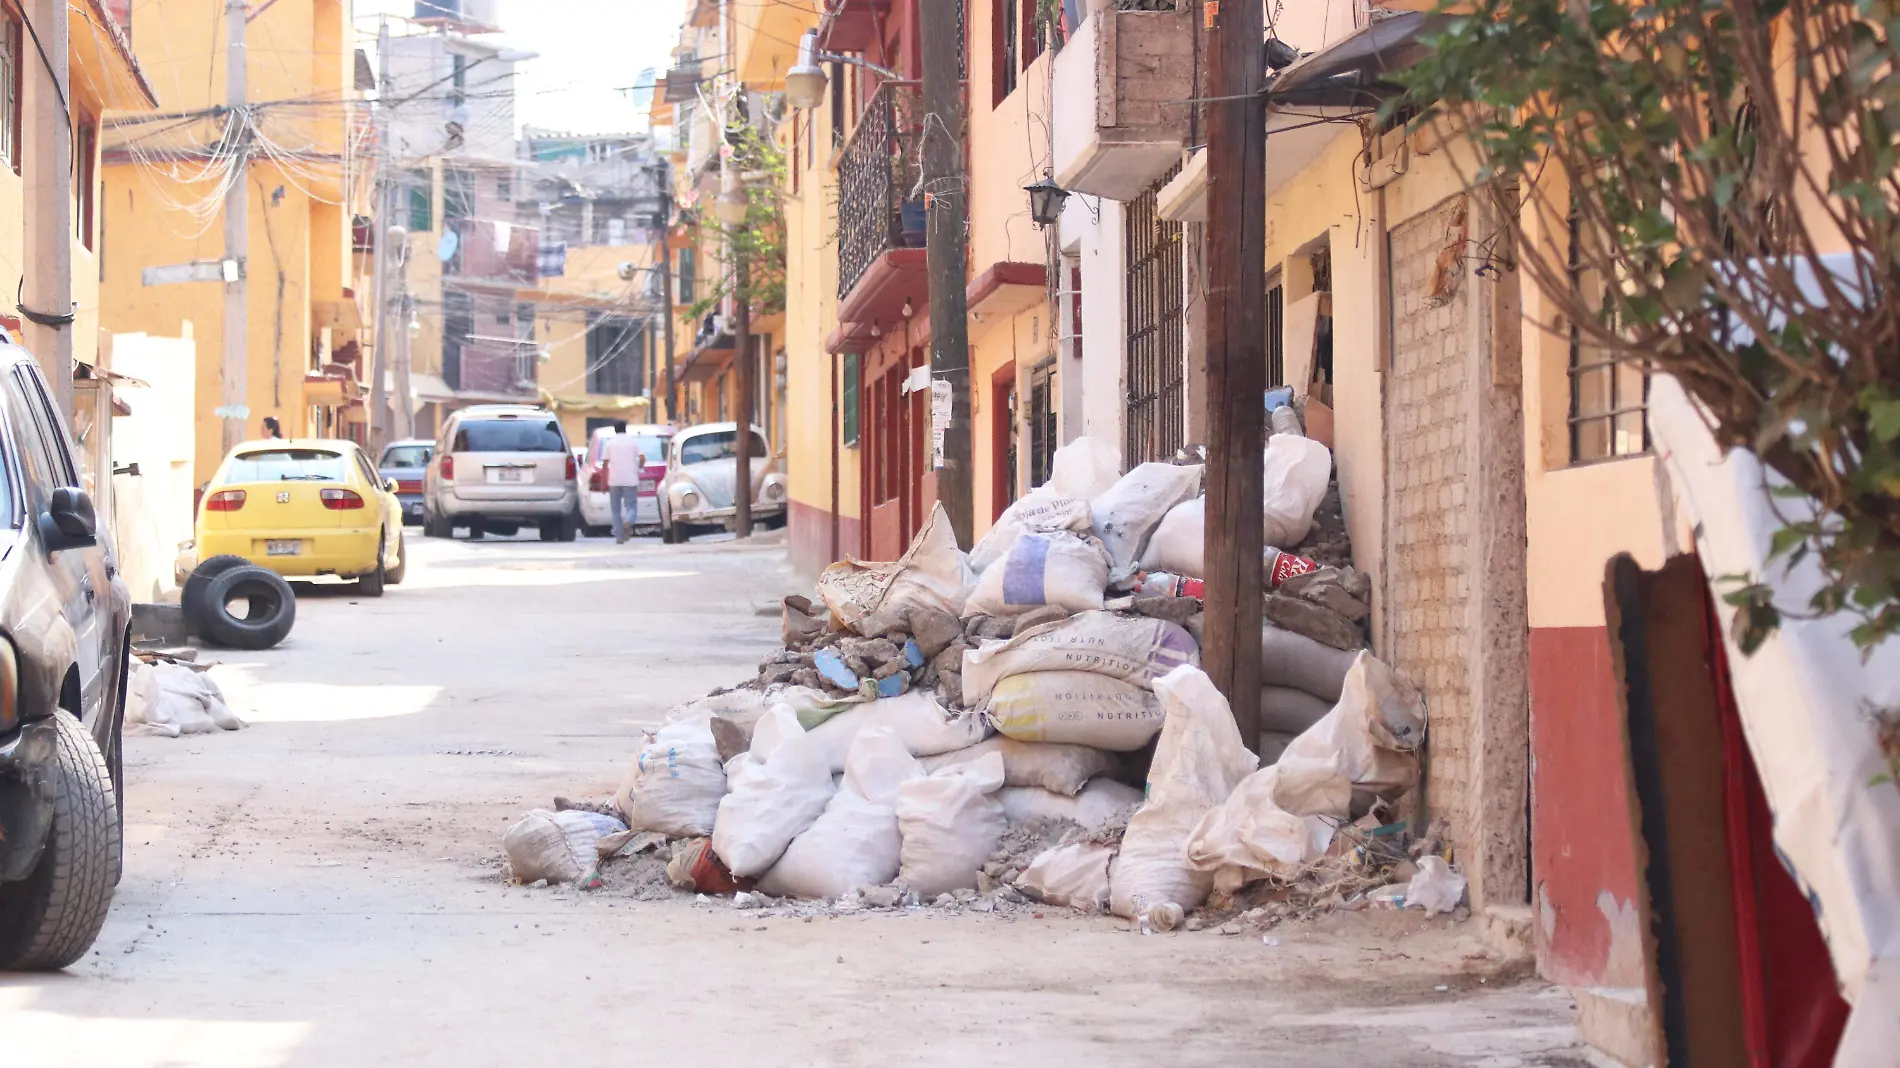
[(939, 418)]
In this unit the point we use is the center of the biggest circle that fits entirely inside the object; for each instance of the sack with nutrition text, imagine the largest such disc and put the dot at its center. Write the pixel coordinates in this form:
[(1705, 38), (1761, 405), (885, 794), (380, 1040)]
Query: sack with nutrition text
[(855, 841), (1076, 707), (1062, 769), (675, 783), (918, 717), (1073, 876), (1197, 763), (950, 824), (556, 846), (1295, 472), (1127, 513), (778, 790), (1134, 649), (1061, 569)]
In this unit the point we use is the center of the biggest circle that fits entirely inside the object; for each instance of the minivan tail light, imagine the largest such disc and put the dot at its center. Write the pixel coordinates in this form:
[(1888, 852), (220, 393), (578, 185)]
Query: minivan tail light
[(448, 467), (571, 467), (339, 499), (225, 501)]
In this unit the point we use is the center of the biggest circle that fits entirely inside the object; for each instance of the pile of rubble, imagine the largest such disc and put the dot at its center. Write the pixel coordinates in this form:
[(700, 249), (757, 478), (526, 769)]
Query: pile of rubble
[(1027, 722)]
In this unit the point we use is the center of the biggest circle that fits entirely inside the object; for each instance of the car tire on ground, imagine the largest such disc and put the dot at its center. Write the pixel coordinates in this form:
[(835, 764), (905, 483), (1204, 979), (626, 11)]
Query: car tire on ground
[(597, 532), (370, 584), (393, 575), (433, 527), (192, 598), (550, 529), (273, 609), (475, 529), (49, 919), (567, 528)]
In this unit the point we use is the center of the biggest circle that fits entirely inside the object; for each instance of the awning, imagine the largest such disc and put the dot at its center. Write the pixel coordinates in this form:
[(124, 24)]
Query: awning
[(1352, 72), (709, 359), (603, 404)]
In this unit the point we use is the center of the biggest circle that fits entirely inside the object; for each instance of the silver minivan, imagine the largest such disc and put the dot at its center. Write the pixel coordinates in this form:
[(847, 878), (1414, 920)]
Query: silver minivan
[(498, 468)]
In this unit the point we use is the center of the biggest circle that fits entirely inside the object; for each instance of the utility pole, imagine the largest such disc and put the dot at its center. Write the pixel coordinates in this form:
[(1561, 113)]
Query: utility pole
[(941, 40), (742, 356), (47, 164), (236, 410), (405, 425), (385, 233), (666, 287), (1236, 360)]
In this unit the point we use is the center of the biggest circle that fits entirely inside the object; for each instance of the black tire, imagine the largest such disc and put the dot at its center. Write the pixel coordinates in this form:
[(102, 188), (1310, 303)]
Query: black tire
[(49, 919), (393, 575), (550, 530), (475, 529), (567, 528), (273, 609), (371, 584), (432, 527), (192, 597), (597, 532)]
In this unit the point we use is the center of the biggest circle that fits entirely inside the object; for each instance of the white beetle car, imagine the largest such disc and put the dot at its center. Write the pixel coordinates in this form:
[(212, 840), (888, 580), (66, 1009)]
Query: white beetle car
[(702, 467)]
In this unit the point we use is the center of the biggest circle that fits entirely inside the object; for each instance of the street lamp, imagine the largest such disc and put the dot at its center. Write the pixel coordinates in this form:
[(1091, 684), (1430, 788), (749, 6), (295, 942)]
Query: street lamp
[(1045, 201), (805, 83)]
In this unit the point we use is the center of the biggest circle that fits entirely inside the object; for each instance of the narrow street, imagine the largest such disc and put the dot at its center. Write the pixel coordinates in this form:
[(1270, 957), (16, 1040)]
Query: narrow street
[(326, 888)]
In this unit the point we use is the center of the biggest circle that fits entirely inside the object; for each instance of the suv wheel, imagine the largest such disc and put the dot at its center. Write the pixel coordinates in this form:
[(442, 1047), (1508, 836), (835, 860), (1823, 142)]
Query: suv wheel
[(432, 527), (49, 919), (475, 530)]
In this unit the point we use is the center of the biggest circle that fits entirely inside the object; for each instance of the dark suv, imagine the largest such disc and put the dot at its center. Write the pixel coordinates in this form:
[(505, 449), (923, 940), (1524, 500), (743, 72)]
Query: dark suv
[(64, 649)]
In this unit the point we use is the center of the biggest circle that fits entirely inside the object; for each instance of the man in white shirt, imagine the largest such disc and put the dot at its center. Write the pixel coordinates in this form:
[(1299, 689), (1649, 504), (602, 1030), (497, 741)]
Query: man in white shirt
[(621, 453)]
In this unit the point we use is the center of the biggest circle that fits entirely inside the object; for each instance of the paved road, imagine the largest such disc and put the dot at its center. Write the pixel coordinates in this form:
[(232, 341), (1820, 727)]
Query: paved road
[(323, 889)]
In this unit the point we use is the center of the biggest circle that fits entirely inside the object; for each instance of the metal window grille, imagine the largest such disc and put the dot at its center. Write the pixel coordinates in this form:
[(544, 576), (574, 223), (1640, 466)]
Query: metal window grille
[(458, 326), (848, 397), (10, 90), (1155, 413), (1042, 422), (875, 173), (1609, 393), (1276, 337)]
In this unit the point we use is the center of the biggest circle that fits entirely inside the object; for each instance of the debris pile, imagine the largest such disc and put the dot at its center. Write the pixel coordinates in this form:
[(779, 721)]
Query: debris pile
[(1029, 722)]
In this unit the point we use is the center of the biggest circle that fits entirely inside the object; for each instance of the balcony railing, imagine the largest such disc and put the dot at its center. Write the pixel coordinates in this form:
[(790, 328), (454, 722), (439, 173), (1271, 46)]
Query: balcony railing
[(877, 174)]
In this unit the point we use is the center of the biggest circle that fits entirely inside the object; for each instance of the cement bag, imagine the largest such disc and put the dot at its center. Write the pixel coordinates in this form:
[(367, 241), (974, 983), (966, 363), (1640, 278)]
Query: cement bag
[(1126, 514), (1083, 468), (1134, 649), (778, 790), (855, 841), (1197, 764), (1075, 876), (1041, 511), (1101, 804), (950, 825), (918, 717), (1297, 661), (1060, 769), (556, 846), (1273, 824), (1059, 569), (1178, 545), (875, 598), (141, 702), (1074, 707), (675, 783), (1287, 710), (1294, 474), (188, 702)]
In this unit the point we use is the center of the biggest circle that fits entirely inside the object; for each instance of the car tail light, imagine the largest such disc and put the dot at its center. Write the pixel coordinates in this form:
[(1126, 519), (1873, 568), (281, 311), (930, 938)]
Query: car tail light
[(340, 499), (572, 467), (225, 501), (448, 467), (597, 480), (408, 485)]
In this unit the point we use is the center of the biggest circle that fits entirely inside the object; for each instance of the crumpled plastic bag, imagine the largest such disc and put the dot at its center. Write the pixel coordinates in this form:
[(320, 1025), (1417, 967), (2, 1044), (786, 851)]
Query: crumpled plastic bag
[(1436, 888)]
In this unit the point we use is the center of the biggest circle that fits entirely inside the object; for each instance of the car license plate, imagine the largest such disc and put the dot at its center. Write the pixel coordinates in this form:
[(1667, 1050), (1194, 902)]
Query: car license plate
[(289, 547), (508, 474), (647, 487)]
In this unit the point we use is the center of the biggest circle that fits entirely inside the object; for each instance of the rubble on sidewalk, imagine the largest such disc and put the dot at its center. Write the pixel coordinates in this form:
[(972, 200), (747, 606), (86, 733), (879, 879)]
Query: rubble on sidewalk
[(1027, 726)]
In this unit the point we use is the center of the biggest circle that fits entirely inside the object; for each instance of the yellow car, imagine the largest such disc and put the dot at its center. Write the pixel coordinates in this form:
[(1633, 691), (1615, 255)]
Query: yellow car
[(304, 507)]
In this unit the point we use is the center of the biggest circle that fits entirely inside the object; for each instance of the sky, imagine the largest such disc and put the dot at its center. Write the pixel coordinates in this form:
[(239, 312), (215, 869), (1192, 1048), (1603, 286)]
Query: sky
[(588, 50)]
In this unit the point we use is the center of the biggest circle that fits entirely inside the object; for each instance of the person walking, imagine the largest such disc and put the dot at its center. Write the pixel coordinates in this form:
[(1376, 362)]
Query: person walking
[(625, 462)]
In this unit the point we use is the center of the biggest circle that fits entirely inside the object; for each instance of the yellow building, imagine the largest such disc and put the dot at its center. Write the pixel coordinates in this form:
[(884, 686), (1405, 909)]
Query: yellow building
[(162, 205)]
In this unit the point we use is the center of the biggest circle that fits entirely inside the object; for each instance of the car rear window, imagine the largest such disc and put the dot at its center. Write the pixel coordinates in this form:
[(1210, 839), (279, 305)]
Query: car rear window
[(287, 465), (653, 448), (718, 445), (510, 435), (406, 456)]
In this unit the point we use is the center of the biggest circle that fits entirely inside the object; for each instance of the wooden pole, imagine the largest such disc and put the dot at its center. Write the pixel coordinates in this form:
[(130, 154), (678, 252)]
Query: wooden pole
[(742, 359), (666, 293), (1236, 357), (941, 39), (46, 165)]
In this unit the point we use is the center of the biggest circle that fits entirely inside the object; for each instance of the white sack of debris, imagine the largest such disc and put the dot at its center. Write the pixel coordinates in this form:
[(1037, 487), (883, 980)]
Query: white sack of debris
[(675, 784), (1198, 762), (1072, 876), (1075, 707), (778, 789), (1058, 768), (917, 717), (1178, 545), (950, 824), (1058, 568), (556, 846), (1295, 472), (171, 699), (1101, 805), (1279, 821), (1040, 511), (1127, 513), (876, 598), (1084, 468), (855, 842), (1135, 649)]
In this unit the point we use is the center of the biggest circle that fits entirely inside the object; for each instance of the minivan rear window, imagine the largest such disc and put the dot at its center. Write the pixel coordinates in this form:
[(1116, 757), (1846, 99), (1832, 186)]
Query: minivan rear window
[(718, 445), (287, 465), (406, 456), (510, 435)]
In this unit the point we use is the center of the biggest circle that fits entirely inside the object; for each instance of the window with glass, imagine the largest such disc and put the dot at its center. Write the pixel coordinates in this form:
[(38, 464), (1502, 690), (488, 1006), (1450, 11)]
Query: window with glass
[(510, 435), (287, 465), (719, 445), (1609, 392)]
